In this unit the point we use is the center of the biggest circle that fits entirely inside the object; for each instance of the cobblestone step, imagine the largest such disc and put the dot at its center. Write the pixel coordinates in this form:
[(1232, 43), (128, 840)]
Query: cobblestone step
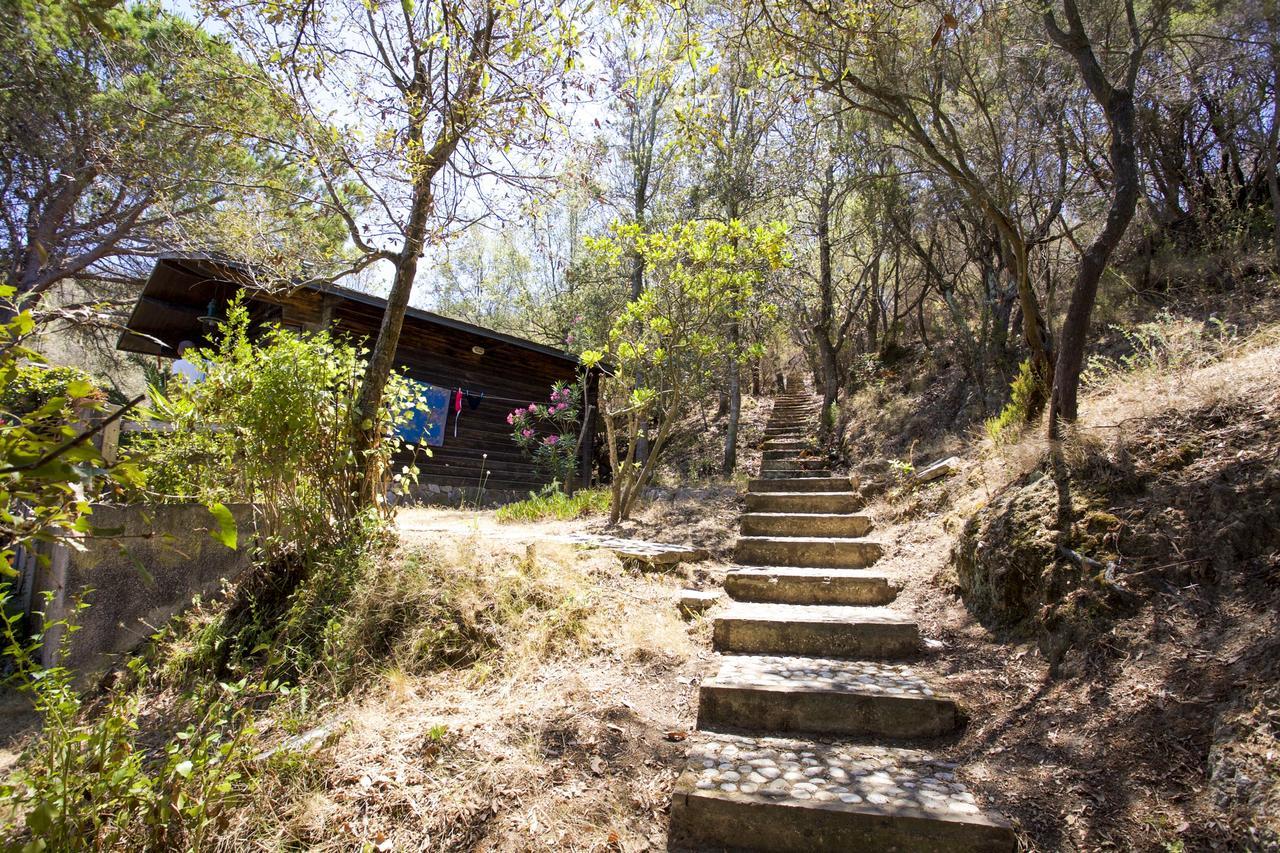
[(807, 551), (804, 524), (823, 696), (820, 630), (762, 498), (808, 586), (779, 794)]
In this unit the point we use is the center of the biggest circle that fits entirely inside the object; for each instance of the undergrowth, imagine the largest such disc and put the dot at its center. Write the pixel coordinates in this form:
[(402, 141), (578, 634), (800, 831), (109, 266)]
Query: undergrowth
[(557, 505), (429, 610)]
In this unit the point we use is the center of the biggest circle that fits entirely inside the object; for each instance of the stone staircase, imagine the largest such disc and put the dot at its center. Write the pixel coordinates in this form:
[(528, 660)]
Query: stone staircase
[(815, 671)]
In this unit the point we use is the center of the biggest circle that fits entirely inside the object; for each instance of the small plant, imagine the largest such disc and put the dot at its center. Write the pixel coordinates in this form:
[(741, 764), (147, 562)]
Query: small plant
[(548, 433), (1006, 426), (902, 468), (556, 504)]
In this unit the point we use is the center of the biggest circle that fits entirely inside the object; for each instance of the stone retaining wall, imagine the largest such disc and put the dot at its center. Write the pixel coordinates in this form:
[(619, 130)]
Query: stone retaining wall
[(157, 560)]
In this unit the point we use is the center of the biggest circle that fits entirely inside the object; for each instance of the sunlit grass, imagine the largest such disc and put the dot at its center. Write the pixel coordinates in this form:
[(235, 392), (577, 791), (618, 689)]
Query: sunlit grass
[(557, 505)]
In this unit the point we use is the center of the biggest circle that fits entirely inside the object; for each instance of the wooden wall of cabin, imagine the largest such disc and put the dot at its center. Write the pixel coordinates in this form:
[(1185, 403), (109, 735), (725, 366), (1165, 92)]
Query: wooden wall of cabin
[(508, 375)]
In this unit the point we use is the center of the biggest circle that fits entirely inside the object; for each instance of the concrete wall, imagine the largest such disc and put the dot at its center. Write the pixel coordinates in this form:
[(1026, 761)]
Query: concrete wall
[(137, 578)]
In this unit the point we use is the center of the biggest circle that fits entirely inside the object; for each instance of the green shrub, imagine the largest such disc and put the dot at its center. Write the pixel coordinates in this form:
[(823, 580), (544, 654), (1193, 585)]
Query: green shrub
[(91, 781), (1006, 426), (273, 423), (556, 504), (32, 385)]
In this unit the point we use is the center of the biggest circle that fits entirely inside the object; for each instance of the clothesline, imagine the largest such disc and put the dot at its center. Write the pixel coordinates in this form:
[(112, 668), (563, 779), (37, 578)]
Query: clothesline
[(523, 401)]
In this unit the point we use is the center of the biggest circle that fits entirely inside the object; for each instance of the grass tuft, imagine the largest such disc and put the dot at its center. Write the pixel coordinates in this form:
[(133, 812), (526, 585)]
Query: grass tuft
[(557, 505)]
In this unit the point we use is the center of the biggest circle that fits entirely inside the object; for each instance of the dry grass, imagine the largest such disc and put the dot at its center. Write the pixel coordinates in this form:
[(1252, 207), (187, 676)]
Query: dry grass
[(523, 702), (1146, 739)]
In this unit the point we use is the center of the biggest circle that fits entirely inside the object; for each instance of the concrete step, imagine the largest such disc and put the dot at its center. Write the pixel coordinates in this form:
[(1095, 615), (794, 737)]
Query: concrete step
[(804, 524), (788, 444), (823, 696), (797, 450), (800, 484), (798, 465), (794, 585), (787, 473), (825, 502), (788, 795), (791, 629), (824, 552)]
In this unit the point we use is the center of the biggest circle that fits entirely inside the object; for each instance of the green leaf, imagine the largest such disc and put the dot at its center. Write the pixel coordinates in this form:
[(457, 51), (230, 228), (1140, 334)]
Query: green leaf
[(184, 768), (226, 530), (79, 388)]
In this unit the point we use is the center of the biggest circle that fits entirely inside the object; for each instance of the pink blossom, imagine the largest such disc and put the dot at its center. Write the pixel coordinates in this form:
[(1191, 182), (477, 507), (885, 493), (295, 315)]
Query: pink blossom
[(511, 418), (528, 433), (551, 439)]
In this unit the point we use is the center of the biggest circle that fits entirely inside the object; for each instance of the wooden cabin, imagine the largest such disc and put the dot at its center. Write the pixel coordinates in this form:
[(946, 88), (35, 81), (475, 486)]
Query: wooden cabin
[(184, 296)]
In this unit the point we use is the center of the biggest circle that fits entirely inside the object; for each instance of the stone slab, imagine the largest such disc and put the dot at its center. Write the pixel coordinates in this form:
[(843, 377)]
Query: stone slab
[(794, 585), (655, 554), (792, 795), (938, 469), (823, 630), (694, 601), (823, 696)]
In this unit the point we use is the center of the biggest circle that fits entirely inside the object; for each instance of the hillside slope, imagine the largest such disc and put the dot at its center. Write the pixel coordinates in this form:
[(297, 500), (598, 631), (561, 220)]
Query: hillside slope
[(1114, 607)]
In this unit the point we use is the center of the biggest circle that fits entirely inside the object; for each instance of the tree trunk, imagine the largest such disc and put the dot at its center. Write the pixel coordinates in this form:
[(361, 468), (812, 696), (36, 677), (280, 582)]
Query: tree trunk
[(1117, 105), (735, 407), (382, 360)]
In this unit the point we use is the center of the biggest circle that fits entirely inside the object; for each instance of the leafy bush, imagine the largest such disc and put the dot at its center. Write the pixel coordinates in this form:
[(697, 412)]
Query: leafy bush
[(52, 473), (548, 434), (273, 423), (1163, 344), (32, 385), (89, 781), (558, 505)]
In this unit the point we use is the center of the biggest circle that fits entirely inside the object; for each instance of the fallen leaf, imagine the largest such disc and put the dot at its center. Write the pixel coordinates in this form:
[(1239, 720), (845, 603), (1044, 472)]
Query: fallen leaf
[(677, 736)]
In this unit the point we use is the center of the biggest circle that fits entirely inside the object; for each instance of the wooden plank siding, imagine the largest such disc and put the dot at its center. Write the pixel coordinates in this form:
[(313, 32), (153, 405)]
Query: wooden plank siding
[(444, 357), (432, 349)]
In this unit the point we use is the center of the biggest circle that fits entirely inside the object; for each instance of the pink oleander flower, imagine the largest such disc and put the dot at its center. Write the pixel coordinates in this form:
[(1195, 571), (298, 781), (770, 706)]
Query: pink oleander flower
[(528, 433), (533, 409), (551, 439), (511, 418)]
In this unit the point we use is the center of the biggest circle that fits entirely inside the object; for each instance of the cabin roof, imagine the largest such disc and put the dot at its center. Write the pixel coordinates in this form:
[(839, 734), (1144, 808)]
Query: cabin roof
[(180, 288)]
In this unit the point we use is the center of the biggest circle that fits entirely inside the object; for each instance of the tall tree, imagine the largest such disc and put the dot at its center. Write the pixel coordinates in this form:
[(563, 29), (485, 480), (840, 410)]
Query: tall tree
[(940, 85), (443, 104), (128, 132), (1117, 104)]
